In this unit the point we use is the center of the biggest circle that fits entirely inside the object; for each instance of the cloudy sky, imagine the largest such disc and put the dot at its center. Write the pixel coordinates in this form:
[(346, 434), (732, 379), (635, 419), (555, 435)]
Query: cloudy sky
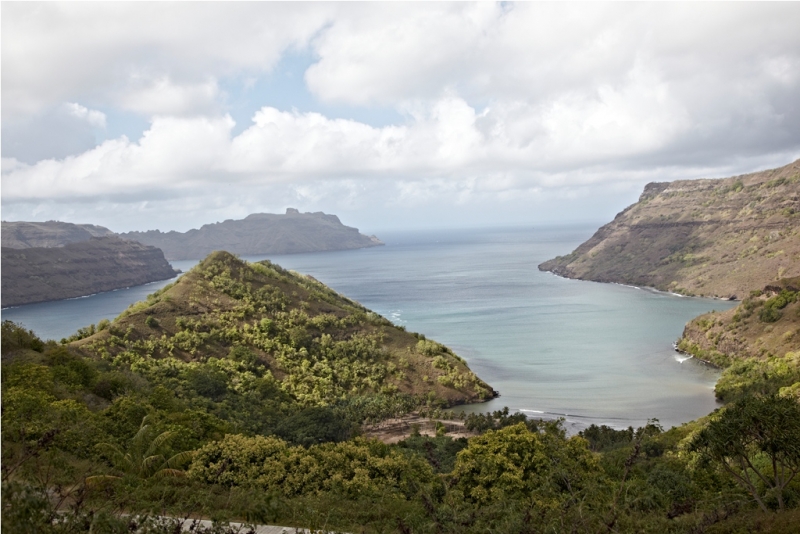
[(171, 115)]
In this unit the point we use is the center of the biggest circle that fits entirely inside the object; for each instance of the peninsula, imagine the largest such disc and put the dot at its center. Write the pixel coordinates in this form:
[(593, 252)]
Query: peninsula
[(78, 268), (314, 344), (259, 233), (710, 237)]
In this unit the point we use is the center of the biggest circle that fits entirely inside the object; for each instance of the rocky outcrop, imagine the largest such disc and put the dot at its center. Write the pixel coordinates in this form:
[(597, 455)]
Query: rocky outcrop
[(48, 234), (710, 237), (259, 233), (82, 268)]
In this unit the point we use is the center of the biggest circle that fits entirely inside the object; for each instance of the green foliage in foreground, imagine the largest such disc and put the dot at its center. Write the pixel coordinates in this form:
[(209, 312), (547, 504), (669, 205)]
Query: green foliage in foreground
[(93, 447), (757, 441)]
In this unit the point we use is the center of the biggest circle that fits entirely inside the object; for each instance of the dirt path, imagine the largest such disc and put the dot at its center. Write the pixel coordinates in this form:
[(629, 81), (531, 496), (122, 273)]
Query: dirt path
[(398, 429)]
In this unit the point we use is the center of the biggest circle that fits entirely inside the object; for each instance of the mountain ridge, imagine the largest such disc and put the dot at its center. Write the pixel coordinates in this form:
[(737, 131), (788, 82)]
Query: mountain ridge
[(709, 237), (48, 234), (79, 268), (259, 233)]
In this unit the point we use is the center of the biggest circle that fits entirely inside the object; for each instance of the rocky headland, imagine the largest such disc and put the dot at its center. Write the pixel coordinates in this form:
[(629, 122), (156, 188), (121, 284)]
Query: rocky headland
[(259, 233), (21, 234), (78, 268), (711, 237)]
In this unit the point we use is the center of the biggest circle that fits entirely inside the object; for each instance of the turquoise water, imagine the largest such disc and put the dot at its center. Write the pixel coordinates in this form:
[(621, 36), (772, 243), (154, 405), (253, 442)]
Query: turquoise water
[(592, 353)]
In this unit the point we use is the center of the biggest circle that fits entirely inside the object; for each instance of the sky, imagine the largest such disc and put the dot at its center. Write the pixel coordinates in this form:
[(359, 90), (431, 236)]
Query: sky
[(139, 116)]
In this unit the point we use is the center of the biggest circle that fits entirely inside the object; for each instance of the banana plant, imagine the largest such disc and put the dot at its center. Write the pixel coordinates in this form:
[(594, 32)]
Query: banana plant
[(144, 457)]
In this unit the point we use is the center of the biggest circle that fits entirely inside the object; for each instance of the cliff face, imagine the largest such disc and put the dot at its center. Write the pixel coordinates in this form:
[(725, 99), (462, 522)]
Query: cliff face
[(260, 233), (712, 237), (48, 234), (76, 269)]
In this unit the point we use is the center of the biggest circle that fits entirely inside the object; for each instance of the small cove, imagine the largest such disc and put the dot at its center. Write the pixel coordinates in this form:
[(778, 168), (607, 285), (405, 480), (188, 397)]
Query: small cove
[(590, 352)]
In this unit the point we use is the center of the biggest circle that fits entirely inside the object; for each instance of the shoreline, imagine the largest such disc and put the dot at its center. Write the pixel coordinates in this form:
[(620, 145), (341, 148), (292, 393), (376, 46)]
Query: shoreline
[(17, 306), (646, 288), (693, 357)]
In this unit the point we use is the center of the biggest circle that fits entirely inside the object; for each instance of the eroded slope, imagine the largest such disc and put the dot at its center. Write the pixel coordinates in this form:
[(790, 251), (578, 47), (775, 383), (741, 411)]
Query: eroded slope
[(712, 237)]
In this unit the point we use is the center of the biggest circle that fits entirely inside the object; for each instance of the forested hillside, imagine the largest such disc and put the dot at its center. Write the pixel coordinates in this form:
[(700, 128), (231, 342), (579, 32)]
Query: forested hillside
[(241, 393), (288, 329)]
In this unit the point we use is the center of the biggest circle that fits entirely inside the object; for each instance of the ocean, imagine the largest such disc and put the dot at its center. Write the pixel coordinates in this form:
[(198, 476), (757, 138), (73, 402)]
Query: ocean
[(583, 351)]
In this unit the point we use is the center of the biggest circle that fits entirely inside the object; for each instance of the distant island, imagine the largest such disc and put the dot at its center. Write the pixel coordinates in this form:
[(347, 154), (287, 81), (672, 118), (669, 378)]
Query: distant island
[(711, 237), (259, 233), (77, 268), (52, 260)]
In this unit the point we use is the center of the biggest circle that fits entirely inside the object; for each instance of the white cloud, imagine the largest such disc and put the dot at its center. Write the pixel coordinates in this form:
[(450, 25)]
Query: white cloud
[(161, 96), (55, 52), (92, 116), (487, 150), (502, 101)]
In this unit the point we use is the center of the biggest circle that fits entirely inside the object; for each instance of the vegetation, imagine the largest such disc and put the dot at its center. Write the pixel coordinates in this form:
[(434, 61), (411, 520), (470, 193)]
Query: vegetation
[(245, 397), (755, 343), (757, 441), (75, 460), (229, 330)]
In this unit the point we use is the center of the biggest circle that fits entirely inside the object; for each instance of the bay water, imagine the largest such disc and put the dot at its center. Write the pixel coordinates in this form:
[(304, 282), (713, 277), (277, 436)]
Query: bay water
[(553, 347)]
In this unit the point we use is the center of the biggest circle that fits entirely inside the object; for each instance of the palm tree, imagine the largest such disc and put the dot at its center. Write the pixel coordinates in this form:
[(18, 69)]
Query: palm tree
[(144, 458)]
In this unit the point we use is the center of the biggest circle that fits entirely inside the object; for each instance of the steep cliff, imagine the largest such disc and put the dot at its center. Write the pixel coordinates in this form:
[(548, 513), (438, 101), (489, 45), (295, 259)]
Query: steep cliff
[(710, 237), (259, 233), (100, 264), (48, 234)]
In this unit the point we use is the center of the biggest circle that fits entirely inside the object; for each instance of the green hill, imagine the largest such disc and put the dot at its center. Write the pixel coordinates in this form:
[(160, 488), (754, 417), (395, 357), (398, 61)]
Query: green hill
[(711, 237), (237, 394), (757, 343), (319, 346)]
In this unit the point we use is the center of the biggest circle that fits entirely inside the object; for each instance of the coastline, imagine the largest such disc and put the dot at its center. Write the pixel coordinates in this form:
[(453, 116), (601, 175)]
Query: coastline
[(646, 288)]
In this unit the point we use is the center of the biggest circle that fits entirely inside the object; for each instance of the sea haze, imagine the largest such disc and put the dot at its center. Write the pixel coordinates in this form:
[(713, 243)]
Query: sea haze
[(588, 352)]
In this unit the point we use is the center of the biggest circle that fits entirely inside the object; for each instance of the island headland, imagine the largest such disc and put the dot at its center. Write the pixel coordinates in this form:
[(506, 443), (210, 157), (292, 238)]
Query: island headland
[(259, 233), (736, 238), (78, 268), (49, 234), (711, 237)]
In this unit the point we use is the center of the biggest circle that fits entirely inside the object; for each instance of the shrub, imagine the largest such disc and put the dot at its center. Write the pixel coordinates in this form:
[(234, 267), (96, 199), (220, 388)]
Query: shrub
[(14, 336)]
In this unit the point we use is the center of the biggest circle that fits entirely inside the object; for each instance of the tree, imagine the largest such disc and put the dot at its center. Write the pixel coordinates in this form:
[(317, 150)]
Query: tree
[(145, 457), (757, 441), (515, 462)]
